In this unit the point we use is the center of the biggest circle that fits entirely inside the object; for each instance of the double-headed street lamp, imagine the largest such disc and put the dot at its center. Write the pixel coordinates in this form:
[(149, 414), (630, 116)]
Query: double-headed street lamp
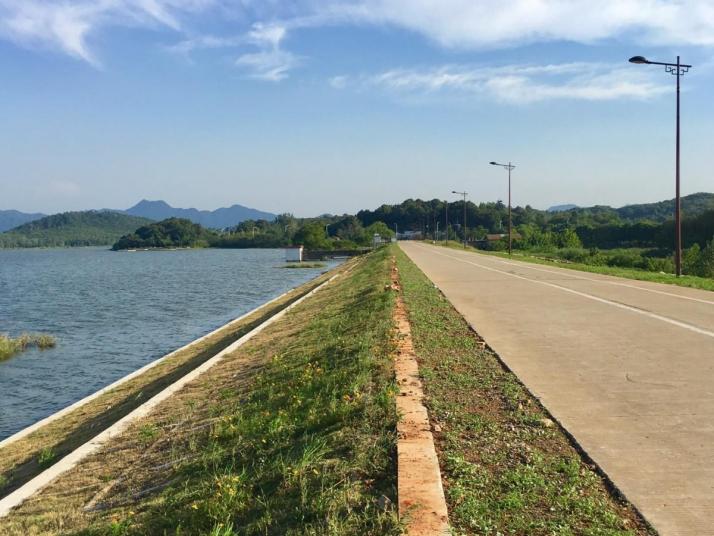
[(510, 167), (464, 194), (677, 69)]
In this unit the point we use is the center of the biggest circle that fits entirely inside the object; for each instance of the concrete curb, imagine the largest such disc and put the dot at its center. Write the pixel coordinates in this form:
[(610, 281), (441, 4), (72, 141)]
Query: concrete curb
[(21, 494), (419, 488)]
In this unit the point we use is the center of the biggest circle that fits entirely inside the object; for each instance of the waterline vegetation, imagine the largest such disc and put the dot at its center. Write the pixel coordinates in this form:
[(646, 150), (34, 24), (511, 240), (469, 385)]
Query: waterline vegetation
[(10, 346)]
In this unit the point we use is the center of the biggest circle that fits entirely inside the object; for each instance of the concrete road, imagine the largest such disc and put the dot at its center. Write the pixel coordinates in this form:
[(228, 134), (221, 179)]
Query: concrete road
[(626, 366)]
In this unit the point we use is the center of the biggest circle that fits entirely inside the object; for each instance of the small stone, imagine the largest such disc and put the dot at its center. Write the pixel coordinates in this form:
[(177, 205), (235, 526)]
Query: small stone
[(437, 428), (547, 423)]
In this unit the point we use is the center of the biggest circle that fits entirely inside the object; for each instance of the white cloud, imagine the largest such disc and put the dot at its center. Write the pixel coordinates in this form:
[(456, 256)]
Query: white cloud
[(521, 84), (271, 62), (496, 23), (339, 82), (465, 24), (67, 25)]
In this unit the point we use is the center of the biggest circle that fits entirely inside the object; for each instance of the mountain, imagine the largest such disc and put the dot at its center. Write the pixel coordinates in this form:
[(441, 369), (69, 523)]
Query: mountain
[(216, 219), (561, 208), (692, 205), (87, 228), (13, 218)]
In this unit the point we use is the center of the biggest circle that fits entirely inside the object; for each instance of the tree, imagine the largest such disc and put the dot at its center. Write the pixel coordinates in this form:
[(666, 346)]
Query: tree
[(312, 236)]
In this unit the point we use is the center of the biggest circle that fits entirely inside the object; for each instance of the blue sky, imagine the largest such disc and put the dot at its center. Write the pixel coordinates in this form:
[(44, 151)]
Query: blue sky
[(333, 106)]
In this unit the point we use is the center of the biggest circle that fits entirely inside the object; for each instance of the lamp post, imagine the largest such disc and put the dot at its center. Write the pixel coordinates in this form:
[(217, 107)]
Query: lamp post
[(436, 236), (396, 233), (676, 69), (463, 194), (446, 221), (510, 167)]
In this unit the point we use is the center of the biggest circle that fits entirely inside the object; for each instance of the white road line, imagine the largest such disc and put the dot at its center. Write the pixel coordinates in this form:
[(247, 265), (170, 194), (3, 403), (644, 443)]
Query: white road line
[(524, 264), (668, 320)]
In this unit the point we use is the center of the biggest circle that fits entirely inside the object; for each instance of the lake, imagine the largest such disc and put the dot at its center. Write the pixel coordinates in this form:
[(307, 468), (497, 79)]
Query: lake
[(113, 312)]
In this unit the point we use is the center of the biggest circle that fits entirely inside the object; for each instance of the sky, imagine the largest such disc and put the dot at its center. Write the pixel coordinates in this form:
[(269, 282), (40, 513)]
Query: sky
[(332, 106)]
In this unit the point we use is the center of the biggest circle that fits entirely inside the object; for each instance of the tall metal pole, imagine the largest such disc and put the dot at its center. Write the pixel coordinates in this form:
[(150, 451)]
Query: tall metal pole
[(677, 69), (510, 221), (446, 222), (464, 220), (678, 207)]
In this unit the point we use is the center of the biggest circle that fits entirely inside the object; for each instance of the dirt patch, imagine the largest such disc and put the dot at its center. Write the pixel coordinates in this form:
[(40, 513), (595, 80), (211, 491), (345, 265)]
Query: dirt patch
[(421, 496)]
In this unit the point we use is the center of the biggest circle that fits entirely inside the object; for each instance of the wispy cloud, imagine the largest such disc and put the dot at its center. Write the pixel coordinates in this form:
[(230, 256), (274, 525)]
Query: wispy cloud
[(67, 25), (516, 84), (496, 23), (271, 62)]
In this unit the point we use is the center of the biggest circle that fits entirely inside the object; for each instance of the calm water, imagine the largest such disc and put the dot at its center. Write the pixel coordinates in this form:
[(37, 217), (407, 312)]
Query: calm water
[(114, 312)]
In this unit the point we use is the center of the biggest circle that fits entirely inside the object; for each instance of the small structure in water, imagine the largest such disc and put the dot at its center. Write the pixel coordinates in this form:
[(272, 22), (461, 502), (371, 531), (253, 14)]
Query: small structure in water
[(293, 253)]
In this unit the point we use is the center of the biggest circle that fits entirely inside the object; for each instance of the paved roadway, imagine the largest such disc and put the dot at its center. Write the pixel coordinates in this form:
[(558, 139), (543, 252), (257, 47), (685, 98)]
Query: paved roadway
[(626, 366)]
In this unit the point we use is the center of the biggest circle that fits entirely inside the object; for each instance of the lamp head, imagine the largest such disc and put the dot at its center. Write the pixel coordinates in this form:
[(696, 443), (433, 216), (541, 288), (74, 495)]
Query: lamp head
[(493, 163), (638, 59)]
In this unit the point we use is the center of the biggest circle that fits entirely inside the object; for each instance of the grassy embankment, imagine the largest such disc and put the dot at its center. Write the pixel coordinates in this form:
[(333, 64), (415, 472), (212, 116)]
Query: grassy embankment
[(25, 458), (294, 433), (703, 283), (507, 468), (10, 346)]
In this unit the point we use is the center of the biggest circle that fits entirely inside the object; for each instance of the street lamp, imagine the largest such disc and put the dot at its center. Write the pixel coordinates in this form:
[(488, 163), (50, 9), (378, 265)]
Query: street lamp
[(676, 69), (510, 167), (446, 220), (464, 194)]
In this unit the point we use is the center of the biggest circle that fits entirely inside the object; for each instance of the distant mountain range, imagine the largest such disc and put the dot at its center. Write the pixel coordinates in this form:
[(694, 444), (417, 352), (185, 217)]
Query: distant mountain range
[(215, 219), (13, 218), (692, 205), (561, 208), (158, 210)]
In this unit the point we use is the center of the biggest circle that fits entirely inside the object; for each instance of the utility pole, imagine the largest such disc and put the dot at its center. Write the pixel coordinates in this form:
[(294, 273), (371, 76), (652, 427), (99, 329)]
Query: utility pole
[(464, 194), (510, 167)]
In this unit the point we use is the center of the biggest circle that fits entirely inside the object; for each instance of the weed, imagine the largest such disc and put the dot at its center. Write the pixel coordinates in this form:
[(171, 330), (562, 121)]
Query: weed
[(46, 457)]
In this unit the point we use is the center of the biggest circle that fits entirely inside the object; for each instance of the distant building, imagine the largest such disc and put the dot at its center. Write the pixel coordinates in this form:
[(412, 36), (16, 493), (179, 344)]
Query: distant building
[(501, 236), (293, 253), (410, 235)]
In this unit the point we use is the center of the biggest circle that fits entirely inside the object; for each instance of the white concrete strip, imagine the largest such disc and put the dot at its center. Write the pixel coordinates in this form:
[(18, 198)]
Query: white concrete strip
[(21, 494), (649, 314), (39, 424)]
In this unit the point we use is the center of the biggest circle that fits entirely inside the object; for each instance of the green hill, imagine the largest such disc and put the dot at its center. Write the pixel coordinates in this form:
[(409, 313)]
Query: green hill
[(71, 229), (169, 233)]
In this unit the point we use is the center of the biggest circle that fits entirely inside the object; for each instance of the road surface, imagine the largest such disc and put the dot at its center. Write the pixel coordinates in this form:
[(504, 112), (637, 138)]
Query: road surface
[(627, 367)]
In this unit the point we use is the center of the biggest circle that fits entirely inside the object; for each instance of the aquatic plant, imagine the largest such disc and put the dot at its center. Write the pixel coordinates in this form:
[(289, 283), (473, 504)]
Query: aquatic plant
[(10, 346)]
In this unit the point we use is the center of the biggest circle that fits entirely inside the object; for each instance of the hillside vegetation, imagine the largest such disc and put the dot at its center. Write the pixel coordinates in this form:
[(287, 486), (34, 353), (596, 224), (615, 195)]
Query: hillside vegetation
[(69, 229), (173, 232)]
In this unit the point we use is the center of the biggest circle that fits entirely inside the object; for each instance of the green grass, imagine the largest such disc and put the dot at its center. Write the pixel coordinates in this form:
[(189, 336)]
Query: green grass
[(309, 448), (507, 468), (10, 346), (703, 283)]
